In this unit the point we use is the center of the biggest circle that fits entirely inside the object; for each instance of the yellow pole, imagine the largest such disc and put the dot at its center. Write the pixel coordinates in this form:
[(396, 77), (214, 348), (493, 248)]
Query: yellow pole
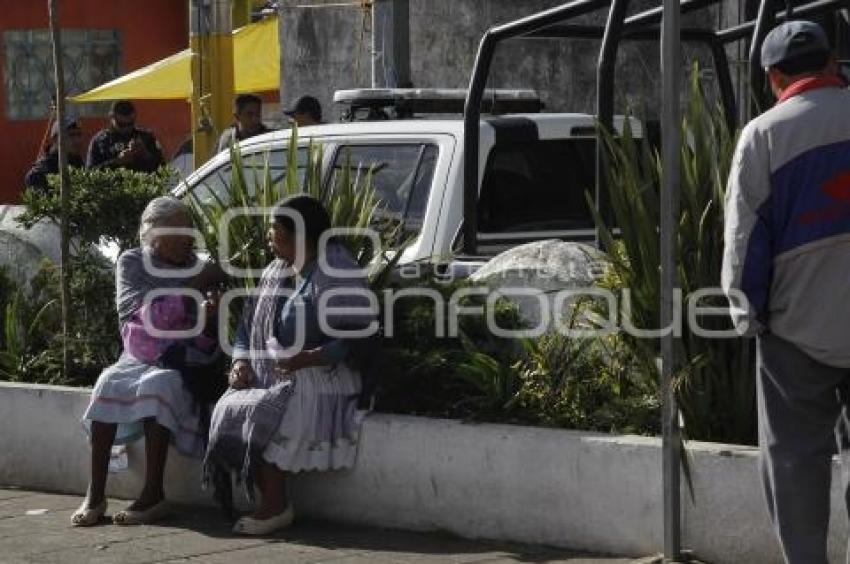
[(211, 42)]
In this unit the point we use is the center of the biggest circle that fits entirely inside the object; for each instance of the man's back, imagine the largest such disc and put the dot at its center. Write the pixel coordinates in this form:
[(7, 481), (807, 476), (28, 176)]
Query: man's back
[(790, 196)]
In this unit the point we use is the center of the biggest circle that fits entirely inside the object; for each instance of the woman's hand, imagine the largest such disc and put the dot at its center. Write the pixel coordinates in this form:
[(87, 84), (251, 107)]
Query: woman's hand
[(241, 375), (211, 275), (303, 359)]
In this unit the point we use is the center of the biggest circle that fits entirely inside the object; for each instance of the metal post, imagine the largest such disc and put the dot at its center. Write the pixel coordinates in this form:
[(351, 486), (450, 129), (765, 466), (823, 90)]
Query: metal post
[(724, 82), (401, 42), (764, 22), (211, 42), (472, 107), (390, 43), (377, 32), (744, 30), (605, 68), (64, 184), (671, 70), (471, 134)]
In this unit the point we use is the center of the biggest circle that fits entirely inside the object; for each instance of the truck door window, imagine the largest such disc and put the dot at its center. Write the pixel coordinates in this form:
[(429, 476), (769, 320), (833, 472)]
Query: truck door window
[(215, 186), (539, 186), (401, 177), (254, 166)]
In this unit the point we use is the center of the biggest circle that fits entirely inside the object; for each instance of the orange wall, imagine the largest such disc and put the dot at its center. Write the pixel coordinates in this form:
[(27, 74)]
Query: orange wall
[(150, 30)]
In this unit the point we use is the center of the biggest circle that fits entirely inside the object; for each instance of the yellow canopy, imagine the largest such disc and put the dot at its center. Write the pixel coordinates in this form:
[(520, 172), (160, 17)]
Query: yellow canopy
[(256, 67)]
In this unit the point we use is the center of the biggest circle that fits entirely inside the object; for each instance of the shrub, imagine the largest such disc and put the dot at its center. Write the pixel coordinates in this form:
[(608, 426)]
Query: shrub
[(590, 384), (32, 339), (105, 204), (472, 375)]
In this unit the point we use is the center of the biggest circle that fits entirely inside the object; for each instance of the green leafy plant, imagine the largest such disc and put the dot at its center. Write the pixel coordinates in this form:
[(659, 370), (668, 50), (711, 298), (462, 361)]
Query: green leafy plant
[(350, 202), (472, 375), (714, 379), (31, 348), (21, 336), (589, 384)]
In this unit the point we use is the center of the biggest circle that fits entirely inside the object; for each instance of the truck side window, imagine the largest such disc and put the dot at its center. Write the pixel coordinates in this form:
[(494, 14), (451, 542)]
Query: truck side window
[(538, 186), (216, 185), (254, 165), (401, 177)]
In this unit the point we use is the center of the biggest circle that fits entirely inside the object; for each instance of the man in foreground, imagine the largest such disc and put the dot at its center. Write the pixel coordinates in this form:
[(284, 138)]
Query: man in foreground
[(787, 248)]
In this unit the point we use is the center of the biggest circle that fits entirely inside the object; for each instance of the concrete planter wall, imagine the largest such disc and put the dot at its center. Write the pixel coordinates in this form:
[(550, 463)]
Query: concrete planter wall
[(576, 489)]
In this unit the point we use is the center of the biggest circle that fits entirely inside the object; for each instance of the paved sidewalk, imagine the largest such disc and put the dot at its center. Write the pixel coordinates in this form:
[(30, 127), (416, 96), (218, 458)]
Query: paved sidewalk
[(34, 527)]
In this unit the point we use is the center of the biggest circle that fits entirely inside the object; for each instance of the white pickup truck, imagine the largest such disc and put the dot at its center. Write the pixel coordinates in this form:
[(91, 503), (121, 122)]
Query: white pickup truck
[(535, 169)]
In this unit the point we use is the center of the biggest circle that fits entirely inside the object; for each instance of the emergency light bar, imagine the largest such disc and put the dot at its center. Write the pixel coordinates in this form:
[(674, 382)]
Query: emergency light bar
[(401, 103)]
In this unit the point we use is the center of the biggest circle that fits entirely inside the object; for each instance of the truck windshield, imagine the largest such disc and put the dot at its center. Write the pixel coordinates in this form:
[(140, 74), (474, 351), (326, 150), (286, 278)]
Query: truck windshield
[(217, 186), (401, 177), (538, 186)]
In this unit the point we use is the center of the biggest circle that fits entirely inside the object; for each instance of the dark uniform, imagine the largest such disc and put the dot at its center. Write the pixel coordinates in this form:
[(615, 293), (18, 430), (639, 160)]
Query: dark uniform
[(108, 143), (48, 164)]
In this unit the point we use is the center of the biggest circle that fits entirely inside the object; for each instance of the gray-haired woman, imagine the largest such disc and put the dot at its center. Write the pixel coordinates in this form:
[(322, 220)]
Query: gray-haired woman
[(143, 394)]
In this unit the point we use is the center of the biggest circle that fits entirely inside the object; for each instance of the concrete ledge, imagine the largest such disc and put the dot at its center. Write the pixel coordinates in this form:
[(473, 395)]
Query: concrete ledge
[(581, 490)]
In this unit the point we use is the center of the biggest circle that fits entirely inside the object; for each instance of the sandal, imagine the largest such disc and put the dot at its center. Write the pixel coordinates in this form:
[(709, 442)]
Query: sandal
[(261, 527), (87, 516), (149, 515)]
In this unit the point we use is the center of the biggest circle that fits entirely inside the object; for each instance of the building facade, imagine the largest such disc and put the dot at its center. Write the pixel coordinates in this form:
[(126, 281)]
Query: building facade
[(102, 39)]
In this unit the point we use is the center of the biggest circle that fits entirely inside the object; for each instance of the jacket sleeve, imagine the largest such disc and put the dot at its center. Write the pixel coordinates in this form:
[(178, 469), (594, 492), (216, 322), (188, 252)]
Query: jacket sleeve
[(747, 269), (225, 140), (154, 158), (36, 177), (96, 157)]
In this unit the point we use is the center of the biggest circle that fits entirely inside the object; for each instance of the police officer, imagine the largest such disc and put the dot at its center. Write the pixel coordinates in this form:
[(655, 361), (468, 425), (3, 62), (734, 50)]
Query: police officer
[(122, 144), (48, 161), (247, 113), (306, 111)]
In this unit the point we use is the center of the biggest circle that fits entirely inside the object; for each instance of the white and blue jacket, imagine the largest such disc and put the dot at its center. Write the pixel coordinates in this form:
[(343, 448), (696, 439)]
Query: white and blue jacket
[(787, 232)]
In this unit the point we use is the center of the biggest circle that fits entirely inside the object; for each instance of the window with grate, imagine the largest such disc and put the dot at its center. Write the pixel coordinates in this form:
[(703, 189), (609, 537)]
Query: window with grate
[(91, 57)]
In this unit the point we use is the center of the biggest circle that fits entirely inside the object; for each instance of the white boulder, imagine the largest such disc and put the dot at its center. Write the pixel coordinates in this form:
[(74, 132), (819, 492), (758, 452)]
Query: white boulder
[(543, 267)]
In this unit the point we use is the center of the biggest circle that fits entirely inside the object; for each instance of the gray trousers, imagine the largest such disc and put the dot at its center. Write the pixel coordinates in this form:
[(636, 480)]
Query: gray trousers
[(799, 402)]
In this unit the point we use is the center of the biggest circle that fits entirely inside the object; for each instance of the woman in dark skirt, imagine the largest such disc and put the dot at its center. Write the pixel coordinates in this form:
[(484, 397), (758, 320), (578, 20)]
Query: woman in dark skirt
[(292, 405)]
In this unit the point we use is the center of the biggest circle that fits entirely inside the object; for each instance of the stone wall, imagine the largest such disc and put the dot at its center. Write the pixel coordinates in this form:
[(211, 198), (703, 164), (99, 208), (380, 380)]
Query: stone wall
[(328, 48)]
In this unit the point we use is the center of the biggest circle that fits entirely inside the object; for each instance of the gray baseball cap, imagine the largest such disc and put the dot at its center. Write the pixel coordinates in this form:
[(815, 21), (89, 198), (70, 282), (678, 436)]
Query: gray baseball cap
[(793, 39)]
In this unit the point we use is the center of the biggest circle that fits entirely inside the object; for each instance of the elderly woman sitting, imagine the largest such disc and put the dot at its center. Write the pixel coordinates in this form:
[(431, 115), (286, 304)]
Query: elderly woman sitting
[(292, 402), (156, 388)]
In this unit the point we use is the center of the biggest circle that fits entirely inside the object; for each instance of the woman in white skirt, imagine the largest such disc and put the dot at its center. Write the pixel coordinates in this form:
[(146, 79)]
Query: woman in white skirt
[(292, 405), (146, 393)]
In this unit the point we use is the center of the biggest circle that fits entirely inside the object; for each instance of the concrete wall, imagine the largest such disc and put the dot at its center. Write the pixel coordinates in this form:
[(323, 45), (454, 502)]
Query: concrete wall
[(582, 490), (325, 49)]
